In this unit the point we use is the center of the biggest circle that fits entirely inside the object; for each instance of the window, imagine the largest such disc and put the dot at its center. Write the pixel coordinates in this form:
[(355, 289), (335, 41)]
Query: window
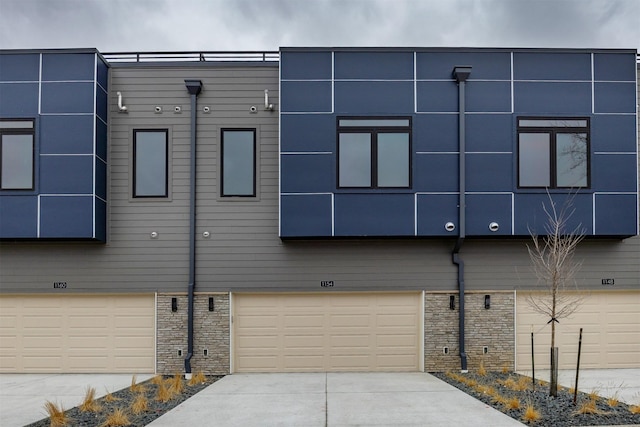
[(150, 153), (16, 153), (553, 153), (374, 153), (238, 177)]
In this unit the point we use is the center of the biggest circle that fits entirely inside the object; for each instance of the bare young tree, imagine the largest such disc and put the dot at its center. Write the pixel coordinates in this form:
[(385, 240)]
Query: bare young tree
[(552, 258)]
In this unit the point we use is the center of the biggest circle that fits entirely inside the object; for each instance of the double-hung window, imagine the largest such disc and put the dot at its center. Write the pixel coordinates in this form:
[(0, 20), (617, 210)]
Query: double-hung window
[(374, 152), (150, 165), (16, 154), (553, 153), (238, 174)]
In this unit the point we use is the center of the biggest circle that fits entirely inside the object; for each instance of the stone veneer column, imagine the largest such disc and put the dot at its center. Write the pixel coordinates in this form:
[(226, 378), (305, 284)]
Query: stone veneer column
[(493, 328), (211, 332)]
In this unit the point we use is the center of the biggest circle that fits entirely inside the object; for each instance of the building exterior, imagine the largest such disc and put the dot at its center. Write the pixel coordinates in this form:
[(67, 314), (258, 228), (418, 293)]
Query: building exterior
[(312, 209)]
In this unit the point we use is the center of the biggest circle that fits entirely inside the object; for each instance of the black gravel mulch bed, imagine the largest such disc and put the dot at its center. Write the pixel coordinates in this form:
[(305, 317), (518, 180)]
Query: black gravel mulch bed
[(124, 399), (558, 412)]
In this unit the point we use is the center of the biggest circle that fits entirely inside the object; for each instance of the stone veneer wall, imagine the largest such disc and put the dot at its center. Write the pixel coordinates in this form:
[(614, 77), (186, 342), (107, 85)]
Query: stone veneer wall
[(211, 332), (493, 327)]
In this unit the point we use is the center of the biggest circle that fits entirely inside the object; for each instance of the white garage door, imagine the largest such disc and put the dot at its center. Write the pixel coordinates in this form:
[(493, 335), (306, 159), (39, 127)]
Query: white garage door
[(74, 333), (610, 336), (326, 332)]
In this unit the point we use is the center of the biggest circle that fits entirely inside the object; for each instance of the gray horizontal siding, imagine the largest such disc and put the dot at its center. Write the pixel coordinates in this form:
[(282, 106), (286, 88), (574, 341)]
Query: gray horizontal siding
[(244, 252)]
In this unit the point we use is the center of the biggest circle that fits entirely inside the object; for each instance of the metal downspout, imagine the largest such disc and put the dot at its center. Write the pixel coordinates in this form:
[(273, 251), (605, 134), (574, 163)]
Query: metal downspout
[(194, 87), (461, 74)]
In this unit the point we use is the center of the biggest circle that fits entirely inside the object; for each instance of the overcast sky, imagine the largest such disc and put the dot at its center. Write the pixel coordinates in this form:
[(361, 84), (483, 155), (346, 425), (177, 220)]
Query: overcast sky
[(161, 25)]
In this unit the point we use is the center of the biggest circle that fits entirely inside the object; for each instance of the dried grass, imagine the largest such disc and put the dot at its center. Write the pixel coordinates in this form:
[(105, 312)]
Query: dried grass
[(140, 404), (157, 380), (531, 414), (634, 409), (513, 403), (482, 371), (89, 403), (614, 400), (198, 378), (118, 418), (136, 388), (164, 393), (57, 417), (176, 384)]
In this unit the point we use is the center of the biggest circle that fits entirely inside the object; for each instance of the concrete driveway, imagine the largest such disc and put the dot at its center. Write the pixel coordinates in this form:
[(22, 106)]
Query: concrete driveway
[(333, 399), (22, 396)]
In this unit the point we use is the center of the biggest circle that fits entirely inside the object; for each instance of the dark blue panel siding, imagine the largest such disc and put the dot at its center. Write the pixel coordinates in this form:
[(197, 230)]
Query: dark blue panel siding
[(437, 96), (101, 179), (614, 66), (18, 217), (306, 215), (374, 65), (374, 97), (18, 99), (611, 133), (614, 97), (374, 215), (551, 66), (435, 132), (19, 67), (552, 98), (103, 74), (101, 103), (313, 132), (435, 172), (74, 97), (488, 132), (66, 135), (436, 210), (529, 212), (614, 172), (489, 172), (483, 209), (305, 97), (66, 217), (66, 174), (616, 214), (101, 220), (101, 139), (486, 65), (307, 173), (68, 66), (306, 66), (488, 97)]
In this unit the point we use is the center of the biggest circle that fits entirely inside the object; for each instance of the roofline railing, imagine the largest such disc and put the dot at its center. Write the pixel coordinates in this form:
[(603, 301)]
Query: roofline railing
[(195, 56)]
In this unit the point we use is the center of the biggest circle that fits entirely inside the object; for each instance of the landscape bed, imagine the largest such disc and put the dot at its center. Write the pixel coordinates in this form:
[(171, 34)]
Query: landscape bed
[(513, 395), (161, 394)]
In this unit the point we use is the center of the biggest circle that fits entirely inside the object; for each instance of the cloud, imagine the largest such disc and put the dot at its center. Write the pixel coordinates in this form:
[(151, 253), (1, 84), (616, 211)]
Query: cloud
[(161, 25)]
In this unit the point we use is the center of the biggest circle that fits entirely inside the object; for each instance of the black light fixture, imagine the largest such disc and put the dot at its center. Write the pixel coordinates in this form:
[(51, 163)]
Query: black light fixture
[(452, 302), (211, 306), (174, 304), (487, 302)]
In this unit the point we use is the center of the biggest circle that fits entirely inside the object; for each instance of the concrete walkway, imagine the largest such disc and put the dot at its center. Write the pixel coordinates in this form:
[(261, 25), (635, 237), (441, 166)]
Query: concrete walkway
[(333, 399), (22, 396)]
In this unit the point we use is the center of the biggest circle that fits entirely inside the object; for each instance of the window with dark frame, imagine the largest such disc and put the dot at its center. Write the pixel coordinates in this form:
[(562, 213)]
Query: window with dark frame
[(553, 153), (374, 152), (238, 166), (150, 162), (17, 154)]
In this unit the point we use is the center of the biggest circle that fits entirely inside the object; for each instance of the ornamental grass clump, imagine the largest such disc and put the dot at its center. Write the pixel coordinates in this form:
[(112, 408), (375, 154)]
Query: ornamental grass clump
[(531, 414), (176, 384), (57, 416), (118, 418), (135, 387), (198, 378), (482, 371), (140, 404), (513, 403), (164, 393), (89, 404)]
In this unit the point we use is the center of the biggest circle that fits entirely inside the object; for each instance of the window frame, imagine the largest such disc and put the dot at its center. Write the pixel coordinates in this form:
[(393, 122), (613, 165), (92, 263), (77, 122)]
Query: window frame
[(254, 193), (374, 130), (553, 132), (166, 164), (19, 131)]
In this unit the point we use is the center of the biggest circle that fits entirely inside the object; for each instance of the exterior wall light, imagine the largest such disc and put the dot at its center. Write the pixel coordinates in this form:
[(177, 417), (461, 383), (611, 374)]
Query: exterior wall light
[(157, 109), (494, 226), (206, 234), (154, 235), (449, 226), (487, 302), (211, 305), (452, 302), (174, 304)]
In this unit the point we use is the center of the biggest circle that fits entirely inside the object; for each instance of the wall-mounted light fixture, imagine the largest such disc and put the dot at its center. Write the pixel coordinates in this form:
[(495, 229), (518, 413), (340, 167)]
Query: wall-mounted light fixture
[(206, 109), (121, 108), (487, 302), (452, 302), (174, 304), (177, 109), (494, 226), (206, 234), (154, 234), (449, 226), (267, 105), (157, 109), (211, 306), (253, 109)]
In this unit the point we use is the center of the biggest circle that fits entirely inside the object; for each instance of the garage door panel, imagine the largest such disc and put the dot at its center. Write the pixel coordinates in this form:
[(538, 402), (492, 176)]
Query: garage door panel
[(74, 333), (611, 333), (326, 332)]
